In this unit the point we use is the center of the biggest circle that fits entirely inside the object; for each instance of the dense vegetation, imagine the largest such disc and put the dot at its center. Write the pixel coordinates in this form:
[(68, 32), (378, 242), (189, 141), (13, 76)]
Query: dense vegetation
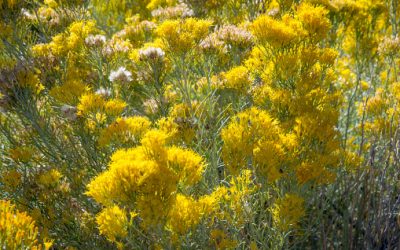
[(199, 124)]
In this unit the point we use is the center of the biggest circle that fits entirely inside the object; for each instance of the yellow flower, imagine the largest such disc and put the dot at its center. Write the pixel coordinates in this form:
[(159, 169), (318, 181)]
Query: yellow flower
[(113, 223), (17, 229), (253, 133), (236, 198), (50, 178), (90, 103), (181, 36), (314, 20), (93, 104), (184, 214), (153, 4), (124, 130), (40, 50), (154, 143), (82, 28), (69, 92), (147, 177), (377, 103), (11, 179), (70, 40), (21, 154), (28, 79), (180, 123), (277, 33), (51, 3), (288, 211), (188, 165), (211, 203), (237, 78), (114, 107), (328, 56), (364, 85)]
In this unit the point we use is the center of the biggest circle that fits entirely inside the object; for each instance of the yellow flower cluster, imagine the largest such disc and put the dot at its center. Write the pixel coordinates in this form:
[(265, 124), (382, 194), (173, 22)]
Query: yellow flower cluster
[(226, 203), (184, 214), (153, 4), (297, 88), (238, 79), (113, 223), (180, 123), (310, 20), (69, 92), (235, 198), (17, 229), (147, 177), (11, 179), (49, 178), (288, 211), (21, 154), (196, 123), (181, 36), (314, 20), (28, 79), (275, 32), (70, 40), (253, 134), (124, 130), (90, 104)]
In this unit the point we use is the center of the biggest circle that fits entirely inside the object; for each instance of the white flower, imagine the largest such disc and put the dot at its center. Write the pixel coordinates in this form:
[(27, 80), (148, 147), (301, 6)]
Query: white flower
[(120, 34), (180, 10), (121, 46), (151, 106), (107, 50), (104, 92), (389, 45), (147, 25), (96, 40), (151, 53), (28, 15), (232, 34), (121, 75), (115, 46), (273, 12), (211, 42)]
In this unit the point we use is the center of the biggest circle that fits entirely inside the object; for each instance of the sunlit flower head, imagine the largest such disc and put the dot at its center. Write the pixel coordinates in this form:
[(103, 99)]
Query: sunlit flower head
[(105, 92), (95, 40), (151, 53), (120, 75)]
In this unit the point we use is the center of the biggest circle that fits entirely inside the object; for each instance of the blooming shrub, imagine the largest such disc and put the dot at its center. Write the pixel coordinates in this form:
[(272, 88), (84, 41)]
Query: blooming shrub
[(166, 124)]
